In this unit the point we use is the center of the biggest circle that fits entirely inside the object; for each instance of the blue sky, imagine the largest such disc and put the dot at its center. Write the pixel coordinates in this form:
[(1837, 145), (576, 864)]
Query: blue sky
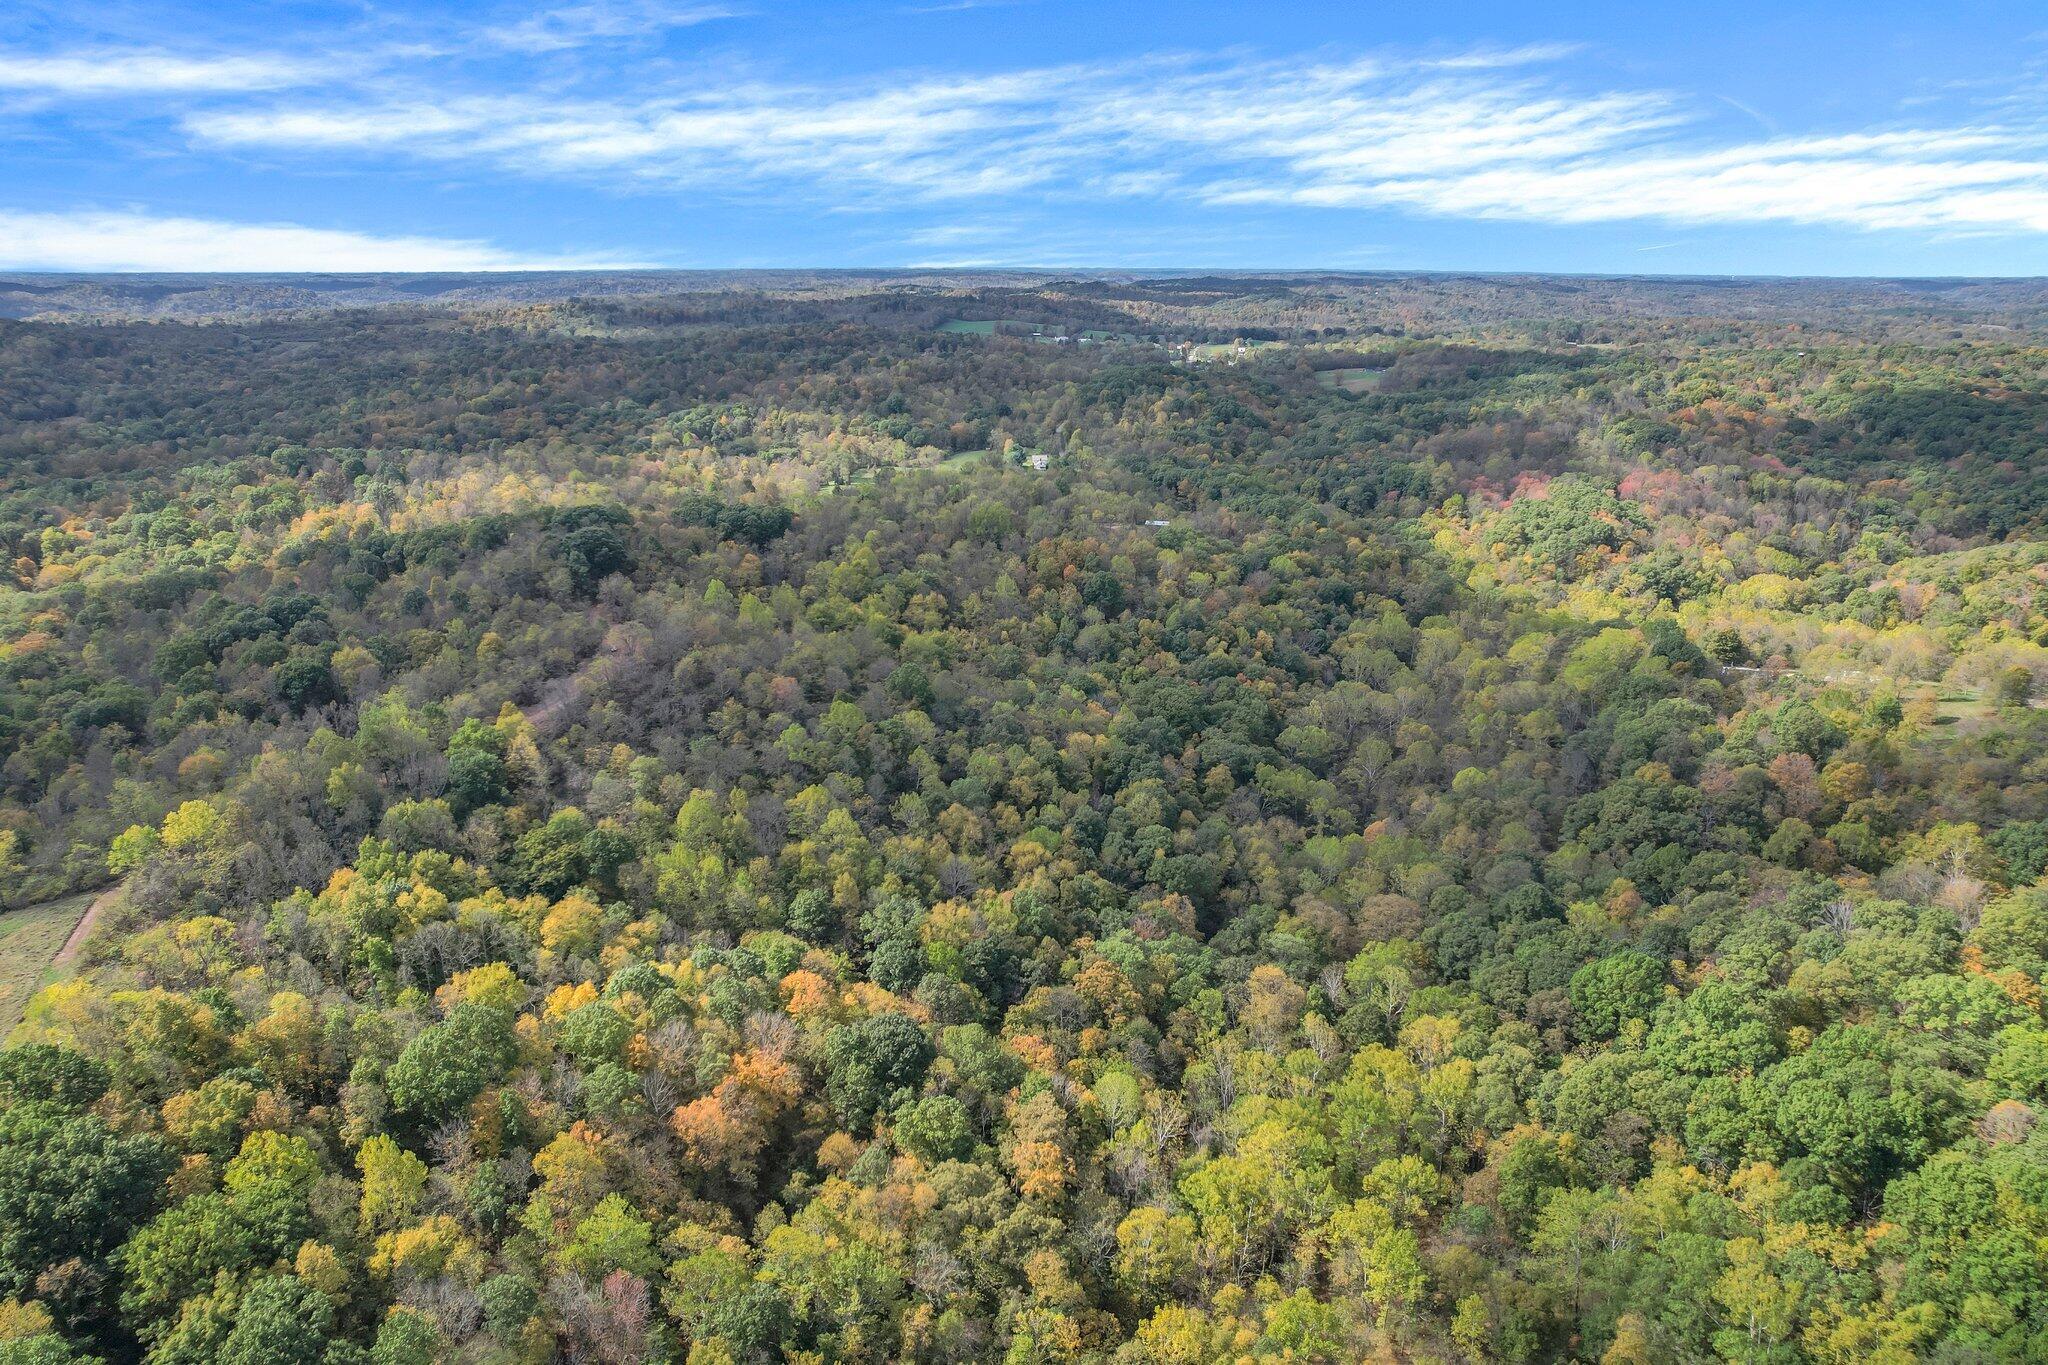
[(1838, 138)]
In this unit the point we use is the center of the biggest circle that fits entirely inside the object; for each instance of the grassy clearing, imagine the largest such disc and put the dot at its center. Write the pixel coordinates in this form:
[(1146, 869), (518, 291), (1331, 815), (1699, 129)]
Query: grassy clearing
[(961, 462), (969, 328), (1351, 380), (1950, 707), (29, 940), (1233, 350)]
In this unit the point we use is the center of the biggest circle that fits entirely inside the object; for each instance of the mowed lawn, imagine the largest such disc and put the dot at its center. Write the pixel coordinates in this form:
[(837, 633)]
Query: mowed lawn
[(29, 940)]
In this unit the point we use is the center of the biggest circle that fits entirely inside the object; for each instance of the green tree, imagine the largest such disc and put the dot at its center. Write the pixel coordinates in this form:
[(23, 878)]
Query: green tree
[(936, 1128), (42, 1073), (867, 1062), (1609, 992), (281, 1321), (70, 1187), (450, 1063), (407, 1337), (476, 768)]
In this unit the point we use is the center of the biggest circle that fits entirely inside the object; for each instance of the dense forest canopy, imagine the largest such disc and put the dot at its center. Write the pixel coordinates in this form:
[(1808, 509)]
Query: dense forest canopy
[(1123, 818)]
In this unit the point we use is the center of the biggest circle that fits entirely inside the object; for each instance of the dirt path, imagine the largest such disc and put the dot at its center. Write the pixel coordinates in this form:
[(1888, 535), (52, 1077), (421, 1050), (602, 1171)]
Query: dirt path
[(86, 921)]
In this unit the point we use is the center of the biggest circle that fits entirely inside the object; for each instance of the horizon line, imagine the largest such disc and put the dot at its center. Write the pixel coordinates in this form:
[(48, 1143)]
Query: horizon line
[(512, 272)]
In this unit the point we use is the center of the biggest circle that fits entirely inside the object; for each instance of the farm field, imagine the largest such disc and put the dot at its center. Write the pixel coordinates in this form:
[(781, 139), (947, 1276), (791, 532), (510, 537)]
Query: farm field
[(30, 939)]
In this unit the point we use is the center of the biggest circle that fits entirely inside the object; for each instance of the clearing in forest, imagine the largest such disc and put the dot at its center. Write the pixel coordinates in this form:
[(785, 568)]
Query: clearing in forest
[(30, 941), (1242, 349), (1351, 380)]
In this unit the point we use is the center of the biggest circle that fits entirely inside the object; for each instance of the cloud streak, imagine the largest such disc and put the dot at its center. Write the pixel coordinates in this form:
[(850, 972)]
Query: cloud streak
[(95, 240), (1494, 134), (574, 26), (1486, 134), (146, 72)]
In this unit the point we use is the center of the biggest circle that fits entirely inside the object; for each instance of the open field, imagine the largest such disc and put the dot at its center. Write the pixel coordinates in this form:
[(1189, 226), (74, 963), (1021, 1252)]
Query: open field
[(956, 463), (1945, 703), (1951, 706), (969, 328), (30, 940), (1350, 380), (1232, 350)]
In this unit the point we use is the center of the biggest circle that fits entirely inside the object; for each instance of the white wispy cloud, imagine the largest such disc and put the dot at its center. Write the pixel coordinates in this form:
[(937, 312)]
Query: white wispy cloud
[(146, 72), (940, 138), (1945, 180), (1509, 133), (128, 240), (1487, 58), (958, 6), (1466, 135), (577, 25)]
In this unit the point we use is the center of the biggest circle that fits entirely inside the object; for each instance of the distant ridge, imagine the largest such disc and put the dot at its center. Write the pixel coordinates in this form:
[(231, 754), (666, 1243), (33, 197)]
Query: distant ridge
[(204, 297)]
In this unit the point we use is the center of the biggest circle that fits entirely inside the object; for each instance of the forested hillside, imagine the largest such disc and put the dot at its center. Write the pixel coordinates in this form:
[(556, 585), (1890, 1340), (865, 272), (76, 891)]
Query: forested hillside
[(1452, 820)]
